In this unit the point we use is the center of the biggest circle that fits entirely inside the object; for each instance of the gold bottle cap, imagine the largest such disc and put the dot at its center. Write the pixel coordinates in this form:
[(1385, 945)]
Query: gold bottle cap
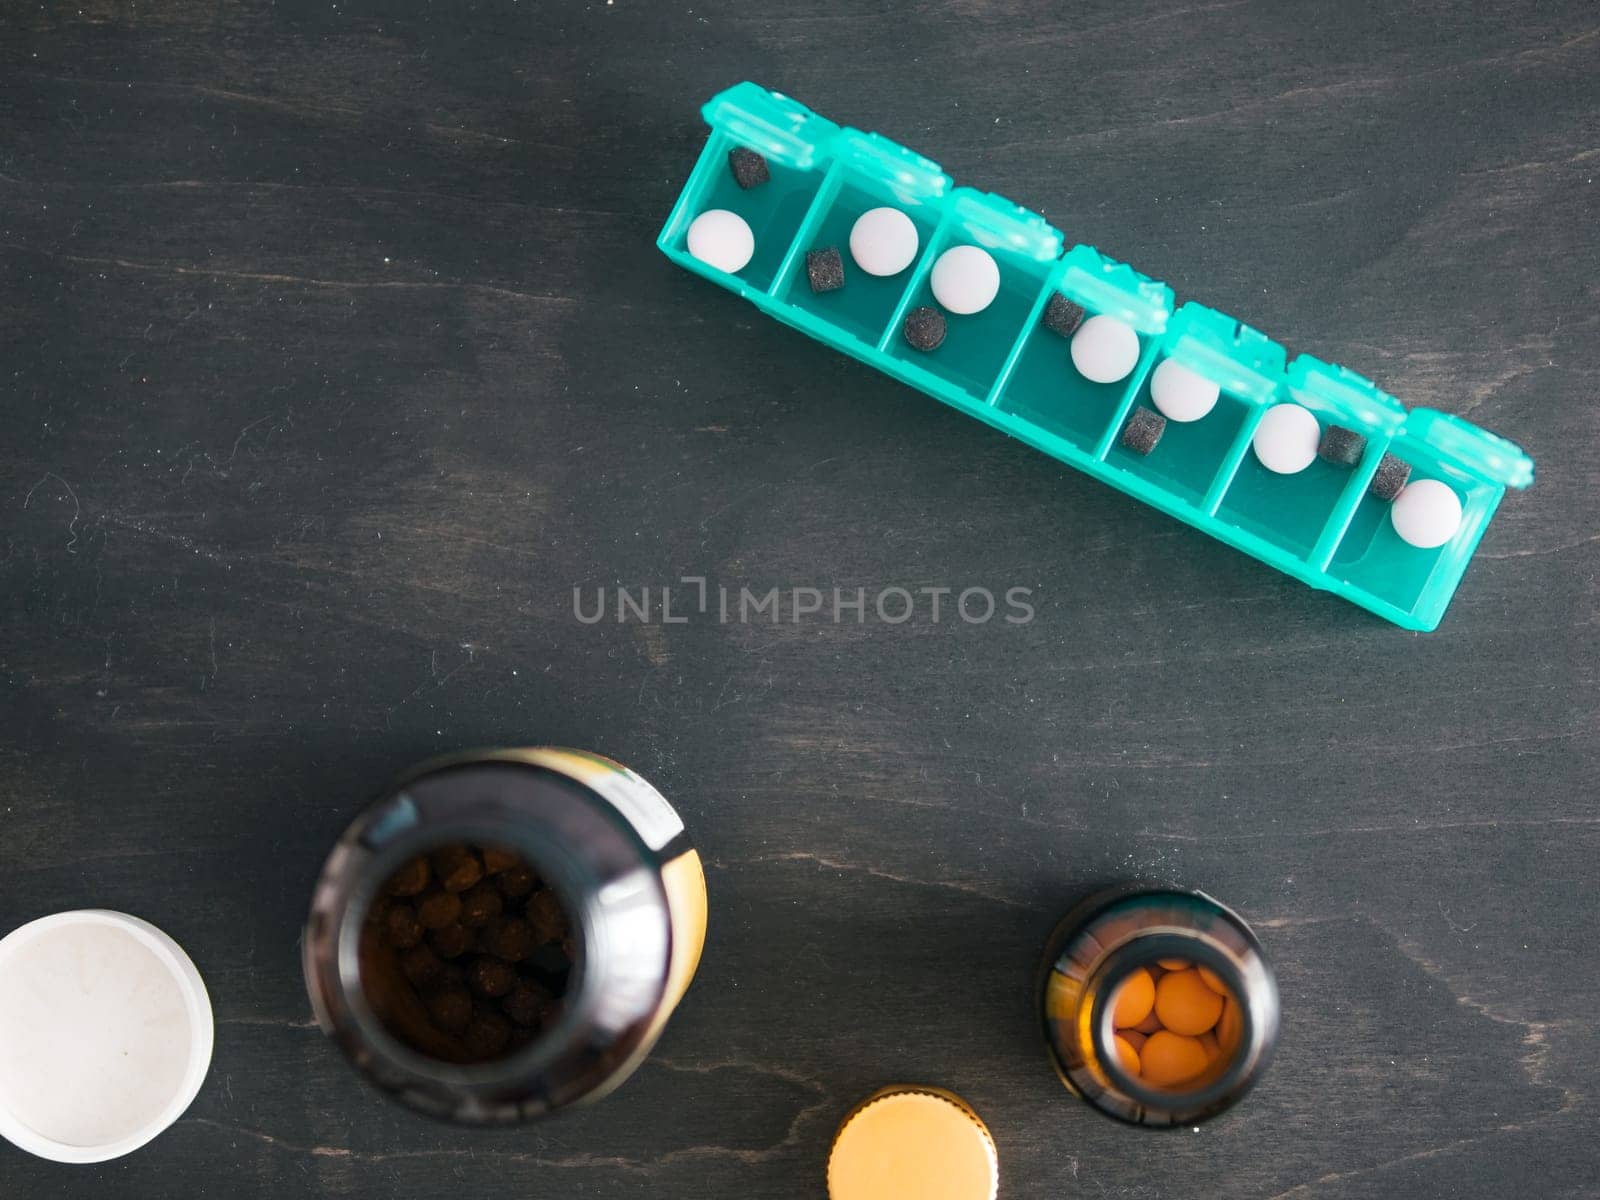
[(913, 1143)]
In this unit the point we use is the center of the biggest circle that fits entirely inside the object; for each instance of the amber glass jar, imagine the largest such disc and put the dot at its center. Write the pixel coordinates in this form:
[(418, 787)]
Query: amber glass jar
[(1157, 1005), (505, 933)]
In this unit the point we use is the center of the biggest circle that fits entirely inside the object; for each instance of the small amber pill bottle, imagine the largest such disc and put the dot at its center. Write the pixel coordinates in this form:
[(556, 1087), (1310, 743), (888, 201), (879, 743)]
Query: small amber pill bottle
[(505, 933), (1157, 1005)]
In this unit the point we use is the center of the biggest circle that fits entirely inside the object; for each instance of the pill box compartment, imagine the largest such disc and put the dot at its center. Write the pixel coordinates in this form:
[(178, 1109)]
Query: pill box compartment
[(863, 306), (1195, 458), (795, 143), (1294, 511), (1373, 556), (1045, 389), (774, 211), (1189, 454), (978, 345), (1286, 510), (868, 172), (1474, 464)]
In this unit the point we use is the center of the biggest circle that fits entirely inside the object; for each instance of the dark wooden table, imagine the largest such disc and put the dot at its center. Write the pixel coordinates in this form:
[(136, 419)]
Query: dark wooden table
[(337, 354)]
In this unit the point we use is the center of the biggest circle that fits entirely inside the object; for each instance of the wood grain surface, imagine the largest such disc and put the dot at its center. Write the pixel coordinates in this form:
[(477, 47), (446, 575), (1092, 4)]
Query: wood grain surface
[(336, 354)]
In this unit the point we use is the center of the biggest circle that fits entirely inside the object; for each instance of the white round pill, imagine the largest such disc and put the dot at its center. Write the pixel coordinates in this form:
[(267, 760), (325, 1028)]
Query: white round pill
[(1286, 440), (722, 239), (966, 279), (1104, 349), (883, 241), (1426, 513), (1180, 394)]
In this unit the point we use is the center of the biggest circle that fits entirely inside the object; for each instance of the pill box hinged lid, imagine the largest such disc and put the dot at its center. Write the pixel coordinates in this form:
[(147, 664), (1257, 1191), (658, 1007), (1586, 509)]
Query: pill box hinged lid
[(1478, 452), (1244, 362), (1114, 289), (905, 173), (1347, 398), (771, 124), (995, 223)]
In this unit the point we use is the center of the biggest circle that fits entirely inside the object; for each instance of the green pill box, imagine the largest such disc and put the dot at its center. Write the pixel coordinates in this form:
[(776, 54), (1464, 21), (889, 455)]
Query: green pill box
[(1328, 525)]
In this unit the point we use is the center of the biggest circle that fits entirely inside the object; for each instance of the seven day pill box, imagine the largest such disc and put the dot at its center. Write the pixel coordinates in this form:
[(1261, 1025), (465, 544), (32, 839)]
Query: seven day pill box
[(800, 183)]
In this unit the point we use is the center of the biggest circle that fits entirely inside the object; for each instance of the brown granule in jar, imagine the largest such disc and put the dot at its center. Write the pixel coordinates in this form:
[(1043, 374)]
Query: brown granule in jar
[(466, 953)]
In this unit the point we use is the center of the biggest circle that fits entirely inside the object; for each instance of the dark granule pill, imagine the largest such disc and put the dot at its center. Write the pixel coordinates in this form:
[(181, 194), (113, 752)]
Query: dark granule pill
[(527, 1003), (1062, 316), (410, 879), (546, 918), (452, 941), (420, 964), (488, 1035), (497, 859), (450, 1007), (1340, 446), (491, 977), (1389, 478), (480, 905), (924, 328), (749, 168), (825, 269), (1143, 430), (509, 939), (457, 868), (515, 882), (436, 909), (401, 929)]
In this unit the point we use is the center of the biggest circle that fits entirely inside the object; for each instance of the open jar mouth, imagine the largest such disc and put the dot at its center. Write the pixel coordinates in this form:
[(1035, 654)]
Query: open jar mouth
[(1158, 1007), (371, 971), (1167, 1022), (618, 868)]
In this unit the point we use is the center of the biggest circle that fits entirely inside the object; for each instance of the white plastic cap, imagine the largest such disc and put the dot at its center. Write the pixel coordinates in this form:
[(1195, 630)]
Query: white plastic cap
[(105, 1035)]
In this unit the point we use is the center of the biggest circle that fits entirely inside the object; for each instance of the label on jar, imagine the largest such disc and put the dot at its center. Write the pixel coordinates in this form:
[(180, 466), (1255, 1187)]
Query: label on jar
[(646, 809)]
